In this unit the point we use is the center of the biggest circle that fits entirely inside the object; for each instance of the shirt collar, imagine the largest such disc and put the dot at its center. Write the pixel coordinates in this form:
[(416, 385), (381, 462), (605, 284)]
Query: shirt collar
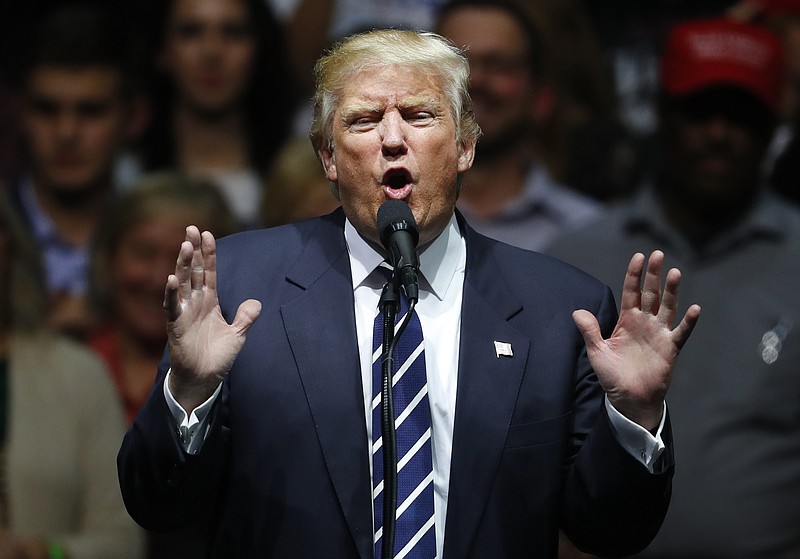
[(439, 261)]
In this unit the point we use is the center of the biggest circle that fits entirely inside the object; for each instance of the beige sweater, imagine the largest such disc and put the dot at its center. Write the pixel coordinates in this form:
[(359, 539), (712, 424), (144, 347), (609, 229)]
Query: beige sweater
[(65, 428)]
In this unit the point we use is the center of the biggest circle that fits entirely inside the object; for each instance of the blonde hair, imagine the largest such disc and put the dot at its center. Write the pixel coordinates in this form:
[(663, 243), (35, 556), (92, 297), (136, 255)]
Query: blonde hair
[(384, 48)]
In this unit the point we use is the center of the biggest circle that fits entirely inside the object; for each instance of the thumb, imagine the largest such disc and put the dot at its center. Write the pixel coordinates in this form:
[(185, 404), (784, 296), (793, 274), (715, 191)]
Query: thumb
[(589, 328), (246, 315)]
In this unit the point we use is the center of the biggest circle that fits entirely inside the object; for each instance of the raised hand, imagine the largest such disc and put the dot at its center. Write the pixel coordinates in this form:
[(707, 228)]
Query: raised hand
[(203, 346), (634, 365)]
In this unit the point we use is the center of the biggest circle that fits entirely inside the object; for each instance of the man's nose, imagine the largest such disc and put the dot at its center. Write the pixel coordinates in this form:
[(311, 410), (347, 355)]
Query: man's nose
[(718, 127), (392, 131), (212, 45), (66, 125)]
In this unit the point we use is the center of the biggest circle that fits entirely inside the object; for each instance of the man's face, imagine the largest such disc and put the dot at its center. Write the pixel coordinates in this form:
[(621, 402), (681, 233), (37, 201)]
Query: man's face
[(394, 137), (501, 85), (209, 52), (714, 144), (75, 121)]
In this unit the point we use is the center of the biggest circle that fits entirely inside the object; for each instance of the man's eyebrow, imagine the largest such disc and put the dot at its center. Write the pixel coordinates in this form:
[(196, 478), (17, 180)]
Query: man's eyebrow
[(360, 108), (409, 102), (420, 101)]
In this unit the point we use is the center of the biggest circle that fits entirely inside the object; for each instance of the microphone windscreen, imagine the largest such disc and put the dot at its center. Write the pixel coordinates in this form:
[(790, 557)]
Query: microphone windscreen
[(395, 215)]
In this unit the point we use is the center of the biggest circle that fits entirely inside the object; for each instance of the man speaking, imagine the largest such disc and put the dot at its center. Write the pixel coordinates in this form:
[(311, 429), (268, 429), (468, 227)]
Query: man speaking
[(513, 416)]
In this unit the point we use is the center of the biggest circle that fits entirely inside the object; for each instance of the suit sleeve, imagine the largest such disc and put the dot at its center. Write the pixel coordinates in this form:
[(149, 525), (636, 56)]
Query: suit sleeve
[(165, 488)]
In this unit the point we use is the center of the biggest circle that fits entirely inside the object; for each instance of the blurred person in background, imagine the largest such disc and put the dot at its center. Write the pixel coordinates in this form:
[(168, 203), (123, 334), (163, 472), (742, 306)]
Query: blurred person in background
[(583, 142), (735, 398), (296, 186), (509, 194), (314, 25), (632, 35), (60, 424), (135, 252), (79, 109), (221, 68), (783, 160)]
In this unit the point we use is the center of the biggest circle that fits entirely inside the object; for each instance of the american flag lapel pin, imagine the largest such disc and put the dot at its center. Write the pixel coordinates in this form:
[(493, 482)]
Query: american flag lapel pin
[(503, 349)]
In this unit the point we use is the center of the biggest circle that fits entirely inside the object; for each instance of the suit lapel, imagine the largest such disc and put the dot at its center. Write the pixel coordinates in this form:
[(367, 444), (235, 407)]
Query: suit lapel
[(487, 391), (329, 368)]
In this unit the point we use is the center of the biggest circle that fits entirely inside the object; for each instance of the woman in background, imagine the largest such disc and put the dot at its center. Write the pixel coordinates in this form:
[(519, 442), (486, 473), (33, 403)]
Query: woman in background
[(135, 252), (223, 97), (60, 428)]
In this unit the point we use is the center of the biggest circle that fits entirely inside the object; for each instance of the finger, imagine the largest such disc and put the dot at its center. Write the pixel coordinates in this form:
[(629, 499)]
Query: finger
[(246, 315), (198, 263), (669, 300), (183, 269), (209, 248), (631, 287), (589, 328), (684, 329), (651, 291), (171, 302)]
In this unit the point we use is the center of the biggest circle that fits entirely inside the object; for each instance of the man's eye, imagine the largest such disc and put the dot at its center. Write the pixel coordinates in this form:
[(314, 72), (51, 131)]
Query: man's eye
[(188, 30), (236, 31), (44, 107), (363, 122), (93, 109), (422, 116)]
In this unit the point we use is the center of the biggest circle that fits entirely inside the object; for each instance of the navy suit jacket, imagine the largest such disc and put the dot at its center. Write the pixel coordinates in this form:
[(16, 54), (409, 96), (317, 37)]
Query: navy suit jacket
[(285, 466)]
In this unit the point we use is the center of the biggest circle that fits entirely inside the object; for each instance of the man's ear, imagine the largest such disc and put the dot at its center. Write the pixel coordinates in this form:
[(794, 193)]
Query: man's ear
[(466, 156), (328, 159)]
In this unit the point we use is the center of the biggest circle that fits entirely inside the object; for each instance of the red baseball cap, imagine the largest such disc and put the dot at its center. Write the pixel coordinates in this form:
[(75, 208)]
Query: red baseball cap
[(711, 52)]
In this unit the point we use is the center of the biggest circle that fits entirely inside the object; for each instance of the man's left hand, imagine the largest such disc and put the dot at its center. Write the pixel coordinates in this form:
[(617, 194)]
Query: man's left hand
[(634, 365)]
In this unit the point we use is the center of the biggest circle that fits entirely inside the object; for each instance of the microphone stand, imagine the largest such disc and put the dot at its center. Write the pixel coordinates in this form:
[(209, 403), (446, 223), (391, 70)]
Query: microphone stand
[(389, 304)]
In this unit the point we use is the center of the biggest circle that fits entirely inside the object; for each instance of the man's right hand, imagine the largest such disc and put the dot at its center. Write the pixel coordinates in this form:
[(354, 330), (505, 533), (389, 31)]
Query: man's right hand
[(202, 345)]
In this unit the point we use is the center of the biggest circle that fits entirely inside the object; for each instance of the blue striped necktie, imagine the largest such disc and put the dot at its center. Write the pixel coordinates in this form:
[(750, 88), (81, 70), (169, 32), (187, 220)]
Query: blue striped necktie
[(414, 533)]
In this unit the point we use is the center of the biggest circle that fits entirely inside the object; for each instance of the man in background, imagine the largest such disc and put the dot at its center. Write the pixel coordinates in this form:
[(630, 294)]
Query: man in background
[(509, 194), (735, 399), (79, 111)]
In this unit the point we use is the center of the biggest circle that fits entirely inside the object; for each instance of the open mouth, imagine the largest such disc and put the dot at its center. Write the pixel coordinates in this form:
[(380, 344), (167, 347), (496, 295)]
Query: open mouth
[(396, 178), (397, 183)]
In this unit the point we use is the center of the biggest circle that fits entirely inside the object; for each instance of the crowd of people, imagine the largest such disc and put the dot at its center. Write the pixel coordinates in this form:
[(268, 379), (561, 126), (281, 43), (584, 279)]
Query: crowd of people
[(603, 132)]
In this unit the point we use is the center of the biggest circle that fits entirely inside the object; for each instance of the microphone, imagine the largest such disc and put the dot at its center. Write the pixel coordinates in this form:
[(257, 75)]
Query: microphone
[(400, 235)]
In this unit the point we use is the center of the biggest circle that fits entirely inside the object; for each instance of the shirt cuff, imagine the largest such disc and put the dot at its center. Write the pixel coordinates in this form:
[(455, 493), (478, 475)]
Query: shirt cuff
[(635, 439), (192, 429)]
